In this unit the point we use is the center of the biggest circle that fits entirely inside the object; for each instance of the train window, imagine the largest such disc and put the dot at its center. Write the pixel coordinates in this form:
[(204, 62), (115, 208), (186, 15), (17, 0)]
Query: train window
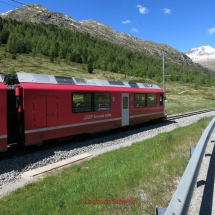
[(125, 102), (139, 100), (151, 99), (161, 99), (101, 101), (81, 102)]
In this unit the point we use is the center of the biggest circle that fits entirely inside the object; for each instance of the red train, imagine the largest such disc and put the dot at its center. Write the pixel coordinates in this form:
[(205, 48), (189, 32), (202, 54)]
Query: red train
[(34, 108)]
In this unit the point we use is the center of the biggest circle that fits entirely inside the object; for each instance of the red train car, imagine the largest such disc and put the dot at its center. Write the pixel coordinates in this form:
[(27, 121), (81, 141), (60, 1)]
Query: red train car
[(50, 107), (3, 116)]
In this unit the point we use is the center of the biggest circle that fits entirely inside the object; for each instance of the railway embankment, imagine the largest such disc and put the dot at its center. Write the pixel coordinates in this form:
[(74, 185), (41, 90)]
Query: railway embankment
[(131, 180)]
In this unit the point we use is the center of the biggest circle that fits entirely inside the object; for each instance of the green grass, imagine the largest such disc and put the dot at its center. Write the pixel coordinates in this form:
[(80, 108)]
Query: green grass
[(146, 172), (181, 99)]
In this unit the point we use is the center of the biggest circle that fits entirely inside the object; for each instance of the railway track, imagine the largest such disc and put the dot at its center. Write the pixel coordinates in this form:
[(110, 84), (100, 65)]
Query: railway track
[(178, 116), (20, 151)]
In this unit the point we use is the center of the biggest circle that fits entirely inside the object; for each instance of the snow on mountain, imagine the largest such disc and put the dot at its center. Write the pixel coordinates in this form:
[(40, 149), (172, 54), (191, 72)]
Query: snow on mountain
[(203, 53), (4, 14)]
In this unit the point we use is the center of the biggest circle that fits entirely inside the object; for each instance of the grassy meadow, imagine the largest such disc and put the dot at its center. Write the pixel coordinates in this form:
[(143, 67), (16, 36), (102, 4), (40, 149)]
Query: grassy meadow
[(130, 180), (185, 98)]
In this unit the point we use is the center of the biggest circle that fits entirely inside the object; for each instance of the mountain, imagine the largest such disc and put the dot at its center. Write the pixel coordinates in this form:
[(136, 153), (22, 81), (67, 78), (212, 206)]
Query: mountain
[(204, 55), (37, 13)]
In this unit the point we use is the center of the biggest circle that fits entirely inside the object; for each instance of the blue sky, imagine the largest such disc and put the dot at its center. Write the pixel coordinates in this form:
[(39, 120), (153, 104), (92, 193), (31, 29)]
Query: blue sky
[(182, 24)]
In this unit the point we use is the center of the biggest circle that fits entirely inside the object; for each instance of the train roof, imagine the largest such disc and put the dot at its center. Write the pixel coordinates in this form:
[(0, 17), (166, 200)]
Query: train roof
[(50, 79)]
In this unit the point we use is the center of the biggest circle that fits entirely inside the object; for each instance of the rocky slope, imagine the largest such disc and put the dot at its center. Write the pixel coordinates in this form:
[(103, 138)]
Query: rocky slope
[(37, 13), (204, 55)]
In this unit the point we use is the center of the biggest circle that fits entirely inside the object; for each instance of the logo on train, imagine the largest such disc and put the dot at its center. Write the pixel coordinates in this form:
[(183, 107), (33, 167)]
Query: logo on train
[(97, 116)]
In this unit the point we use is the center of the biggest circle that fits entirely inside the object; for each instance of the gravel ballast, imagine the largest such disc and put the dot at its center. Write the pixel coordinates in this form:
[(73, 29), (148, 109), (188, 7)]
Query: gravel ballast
[(11, 169)]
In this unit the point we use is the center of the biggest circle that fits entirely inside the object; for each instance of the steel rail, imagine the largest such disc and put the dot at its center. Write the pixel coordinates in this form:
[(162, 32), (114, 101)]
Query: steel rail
[(180, 201), (178, 116)]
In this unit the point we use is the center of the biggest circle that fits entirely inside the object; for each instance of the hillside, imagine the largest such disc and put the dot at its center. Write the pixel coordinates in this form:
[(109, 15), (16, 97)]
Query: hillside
[(36, 13), (60, 44), (41, 64)]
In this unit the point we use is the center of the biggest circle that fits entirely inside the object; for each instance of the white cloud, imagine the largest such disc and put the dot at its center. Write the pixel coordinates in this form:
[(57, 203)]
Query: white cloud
[(126, 21), (167, 11), (211, 30), (142, 9), (134, 30)]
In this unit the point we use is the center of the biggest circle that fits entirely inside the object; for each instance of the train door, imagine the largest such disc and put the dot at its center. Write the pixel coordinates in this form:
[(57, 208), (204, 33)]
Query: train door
[(125, 109), (45, 111)]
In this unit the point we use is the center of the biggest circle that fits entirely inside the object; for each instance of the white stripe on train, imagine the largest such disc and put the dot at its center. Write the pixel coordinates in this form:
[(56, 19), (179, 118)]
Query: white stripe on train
[(85, 123)]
